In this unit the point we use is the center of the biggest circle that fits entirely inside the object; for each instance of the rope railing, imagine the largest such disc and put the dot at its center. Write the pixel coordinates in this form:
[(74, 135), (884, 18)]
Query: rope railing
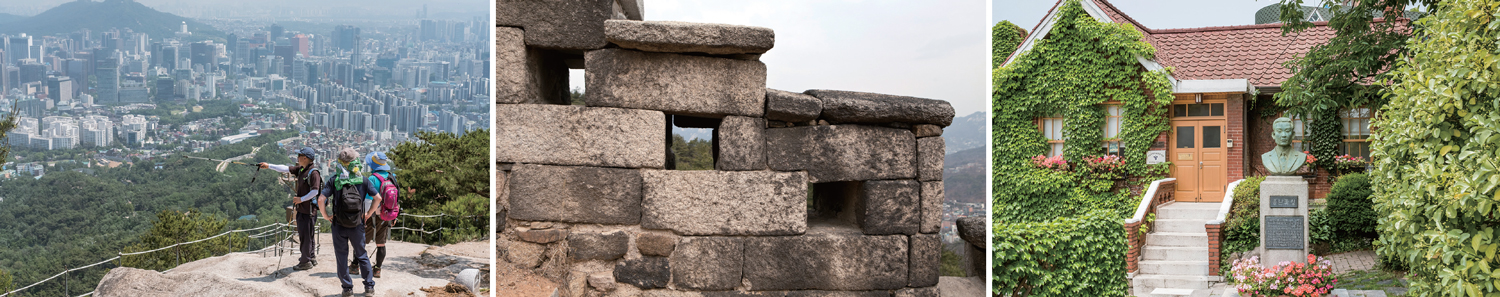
[(121, 254)]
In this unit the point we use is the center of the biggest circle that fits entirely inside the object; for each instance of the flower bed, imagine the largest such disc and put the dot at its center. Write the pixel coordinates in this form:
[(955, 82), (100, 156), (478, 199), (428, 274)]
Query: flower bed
[(1284, 279)]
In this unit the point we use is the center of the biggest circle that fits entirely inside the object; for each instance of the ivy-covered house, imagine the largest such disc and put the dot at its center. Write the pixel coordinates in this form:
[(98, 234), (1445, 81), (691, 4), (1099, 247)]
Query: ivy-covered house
[(1217, 120)]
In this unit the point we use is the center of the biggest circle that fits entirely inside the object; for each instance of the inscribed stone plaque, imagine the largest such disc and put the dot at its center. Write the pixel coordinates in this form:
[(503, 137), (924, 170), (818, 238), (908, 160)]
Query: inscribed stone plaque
[(1284, 233), (1284, 201)]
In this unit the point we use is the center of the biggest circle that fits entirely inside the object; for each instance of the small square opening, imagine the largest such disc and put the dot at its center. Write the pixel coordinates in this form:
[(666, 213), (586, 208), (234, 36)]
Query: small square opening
[(835, 205), (692, 142)]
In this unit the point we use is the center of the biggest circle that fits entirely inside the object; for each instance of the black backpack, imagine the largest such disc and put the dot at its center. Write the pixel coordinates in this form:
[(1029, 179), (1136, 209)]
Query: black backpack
[(348, 204)]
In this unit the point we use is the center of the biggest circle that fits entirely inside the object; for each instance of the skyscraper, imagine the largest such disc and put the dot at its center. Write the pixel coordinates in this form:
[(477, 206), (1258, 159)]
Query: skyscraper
[(345, 37), (17, 48)]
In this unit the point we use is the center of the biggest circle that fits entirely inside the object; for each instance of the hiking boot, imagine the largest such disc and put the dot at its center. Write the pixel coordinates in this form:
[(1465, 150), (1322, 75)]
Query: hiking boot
[(347, 292), (304, 266), (353, 268), (369, 291), (377, 272)]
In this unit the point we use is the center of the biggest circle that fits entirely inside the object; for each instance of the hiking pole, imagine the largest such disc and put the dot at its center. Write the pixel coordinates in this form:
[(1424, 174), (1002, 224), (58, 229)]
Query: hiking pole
[(252, 177)]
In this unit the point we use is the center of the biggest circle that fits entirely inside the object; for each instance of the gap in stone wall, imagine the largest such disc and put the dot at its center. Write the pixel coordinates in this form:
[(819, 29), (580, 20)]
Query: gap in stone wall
[(835, 206), (691, 128)]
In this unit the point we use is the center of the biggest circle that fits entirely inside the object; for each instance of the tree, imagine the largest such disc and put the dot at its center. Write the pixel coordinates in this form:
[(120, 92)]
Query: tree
[(1006, 38), (696, 154), (446, 173), (1436, 179), (1342, 72), (173, 227), (7, 123), (6, 283)]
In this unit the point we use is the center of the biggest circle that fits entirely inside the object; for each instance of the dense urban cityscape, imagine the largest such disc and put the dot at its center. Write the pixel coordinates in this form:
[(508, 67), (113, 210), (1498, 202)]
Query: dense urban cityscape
[(118, 95)]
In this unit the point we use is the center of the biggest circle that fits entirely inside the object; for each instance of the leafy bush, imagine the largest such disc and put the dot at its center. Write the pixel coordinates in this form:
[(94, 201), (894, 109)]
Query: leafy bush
[(1242, 230), (1319, 229), (1351, 212), (952, 264), (1071, 256), (1314, 278), (1006, 38), (1435, 175), (172, 227)]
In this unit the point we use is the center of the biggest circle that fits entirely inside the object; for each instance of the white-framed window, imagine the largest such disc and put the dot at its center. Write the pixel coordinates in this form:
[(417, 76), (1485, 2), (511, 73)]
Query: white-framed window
[(1113, 120), (1356, 132), (1052, 129)]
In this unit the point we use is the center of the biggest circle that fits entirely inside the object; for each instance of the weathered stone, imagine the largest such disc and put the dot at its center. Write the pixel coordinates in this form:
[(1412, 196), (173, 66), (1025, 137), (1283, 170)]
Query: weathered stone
[(924, 261), (843, 152), (541, 225), (742, 144), (675, 84), (791, 107), (972, 230), (577, 135), (826, 262), (708, 263), (576, 194), (502, 201), (725, 202), (524, 254), (527, 75), (927, 130), (860, 107), (598, 246), (571, 25), (932, 207), (890, 207), (603, 281), (542, 236), (930, 158), (684, 37), (644, 273), (802, 293), (655, 244), (930, 291)]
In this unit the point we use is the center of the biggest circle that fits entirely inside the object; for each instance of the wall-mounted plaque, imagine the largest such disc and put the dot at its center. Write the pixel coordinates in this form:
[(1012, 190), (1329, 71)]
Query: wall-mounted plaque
[(1156, 157), (1284, 233), (1284, 202)]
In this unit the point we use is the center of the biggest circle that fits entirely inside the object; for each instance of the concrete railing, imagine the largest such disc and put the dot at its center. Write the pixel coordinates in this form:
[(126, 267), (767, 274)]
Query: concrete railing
[(1161, 191), (1215, 230)]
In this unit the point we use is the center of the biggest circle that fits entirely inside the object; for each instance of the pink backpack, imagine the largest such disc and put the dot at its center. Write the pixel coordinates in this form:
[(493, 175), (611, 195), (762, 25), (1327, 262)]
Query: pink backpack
[(390, 207)]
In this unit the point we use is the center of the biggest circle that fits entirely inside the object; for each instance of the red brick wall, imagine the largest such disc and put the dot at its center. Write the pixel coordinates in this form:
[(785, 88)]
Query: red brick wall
[(1260, 142), (1234, 112)]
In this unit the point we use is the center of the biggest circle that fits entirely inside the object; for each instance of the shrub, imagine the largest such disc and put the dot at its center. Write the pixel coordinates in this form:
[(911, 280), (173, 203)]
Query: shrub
[(1351, 211), (1242, 230), (1315, 278), (1062, 257)]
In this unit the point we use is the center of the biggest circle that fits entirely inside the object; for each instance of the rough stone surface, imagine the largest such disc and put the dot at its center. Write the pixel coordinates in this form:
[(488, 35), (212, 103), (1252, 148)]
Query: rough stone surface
[(725, 202), (962, 286), (684, 37), (861, 107), (598, 246), (570, 25), (542, 236), (804, 293), (742, 144), (972, 230), (924, 260), (930, 291), (675, 84), (708, 263), (502, 201), (930, 151), (826, 262), (577, 135), (927, 130), (843, 152), (603, 281), (890, 207), (932, 207), (576, 194), (527, 76), (644, 273), (524, 254), (655, 244), (791, 107)]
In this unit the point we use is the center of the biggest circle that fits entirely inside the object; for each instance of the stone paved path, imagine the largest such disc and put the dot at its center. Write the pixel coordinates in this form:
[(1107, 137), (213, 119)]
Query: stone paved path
[(1352, 261)]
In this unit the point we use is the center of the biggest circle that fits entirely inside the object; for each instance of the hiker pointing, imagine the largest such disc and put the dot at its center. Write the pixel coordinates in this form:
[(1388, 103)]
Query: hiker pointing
[(347, 203), (309, 183)]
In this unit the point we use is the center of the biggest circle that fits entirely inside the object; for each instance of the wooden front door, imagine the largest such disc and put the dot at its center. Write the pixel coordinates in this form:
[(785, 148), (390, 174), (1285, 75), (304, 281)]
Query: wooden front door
[(1196, 148)]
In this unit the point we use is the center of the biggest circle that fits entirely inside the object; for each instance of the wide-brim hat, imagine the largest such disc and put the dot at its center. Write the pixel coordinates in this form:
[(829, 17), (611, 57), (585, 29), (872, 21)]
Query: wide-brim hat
[(378, 162)]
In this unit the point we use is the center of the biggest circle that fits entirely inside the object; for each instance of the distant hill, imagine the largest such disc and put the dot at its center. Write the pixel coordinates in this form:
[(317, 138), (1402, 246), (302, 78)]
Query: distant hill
[(101, 16), (6, 17), (964, 176), (967, 132)]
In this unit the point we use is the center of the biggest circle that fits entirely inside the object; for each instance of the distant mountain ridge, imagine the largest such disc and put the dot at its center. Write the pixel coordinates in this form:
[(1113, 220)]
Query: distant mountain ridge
[(6, 17), (967, 132), (102, 16)]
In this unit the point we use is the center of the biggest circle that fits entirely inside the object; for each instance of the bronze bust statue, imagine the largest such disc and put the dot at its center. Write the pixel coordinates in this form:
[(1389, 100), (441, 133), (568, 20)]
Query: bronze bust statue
[(1282, 160)]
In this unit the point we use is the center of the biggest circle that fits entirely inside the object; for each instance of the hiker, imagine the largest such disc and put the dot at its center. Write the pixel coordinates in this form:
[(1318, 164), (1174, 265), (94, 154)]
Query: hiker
[(309, 185), (378, 227), (347, 203)]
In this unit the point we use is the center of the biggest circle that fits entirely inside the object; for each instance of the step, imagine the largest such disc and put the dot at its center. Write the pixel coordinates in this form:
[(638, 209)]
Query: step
[(1171, 292), (1146, 283), (1177, 239), (1168, 253), (1191, 205), (1187, 213), (1179, 225), (1174, 267)]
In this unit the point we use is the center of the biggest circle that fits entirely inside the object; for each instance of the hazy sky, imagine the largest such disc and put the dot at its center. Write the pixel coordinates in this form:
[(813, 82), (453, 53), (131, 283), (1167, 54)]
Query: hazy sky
[(438, 9), (928, 49), (1154, 14)]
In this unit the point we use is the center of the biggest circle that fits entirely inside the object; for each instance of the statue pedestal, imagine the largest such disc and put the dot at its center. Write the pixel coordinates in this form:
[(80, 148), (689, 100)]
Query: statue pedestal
[(1283, 220)]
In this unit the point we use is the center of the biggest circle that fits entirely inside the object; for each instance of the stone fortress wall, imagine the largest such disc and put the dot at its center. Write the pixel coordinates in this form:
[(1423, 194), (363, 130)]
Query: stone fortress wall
[(814, 193)]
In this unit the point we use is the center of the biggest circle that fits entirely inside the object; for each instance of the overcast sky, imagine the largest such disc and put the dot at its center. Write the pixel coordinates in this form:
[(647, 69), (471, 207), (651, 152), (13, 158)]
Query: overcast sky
[(1154, 14), (928, 49)]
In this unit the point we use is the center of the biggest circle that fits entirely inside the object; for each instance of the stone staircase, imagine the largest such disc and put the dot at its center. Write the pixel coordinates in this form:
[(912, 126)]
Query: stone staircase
[(1175, 256)]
